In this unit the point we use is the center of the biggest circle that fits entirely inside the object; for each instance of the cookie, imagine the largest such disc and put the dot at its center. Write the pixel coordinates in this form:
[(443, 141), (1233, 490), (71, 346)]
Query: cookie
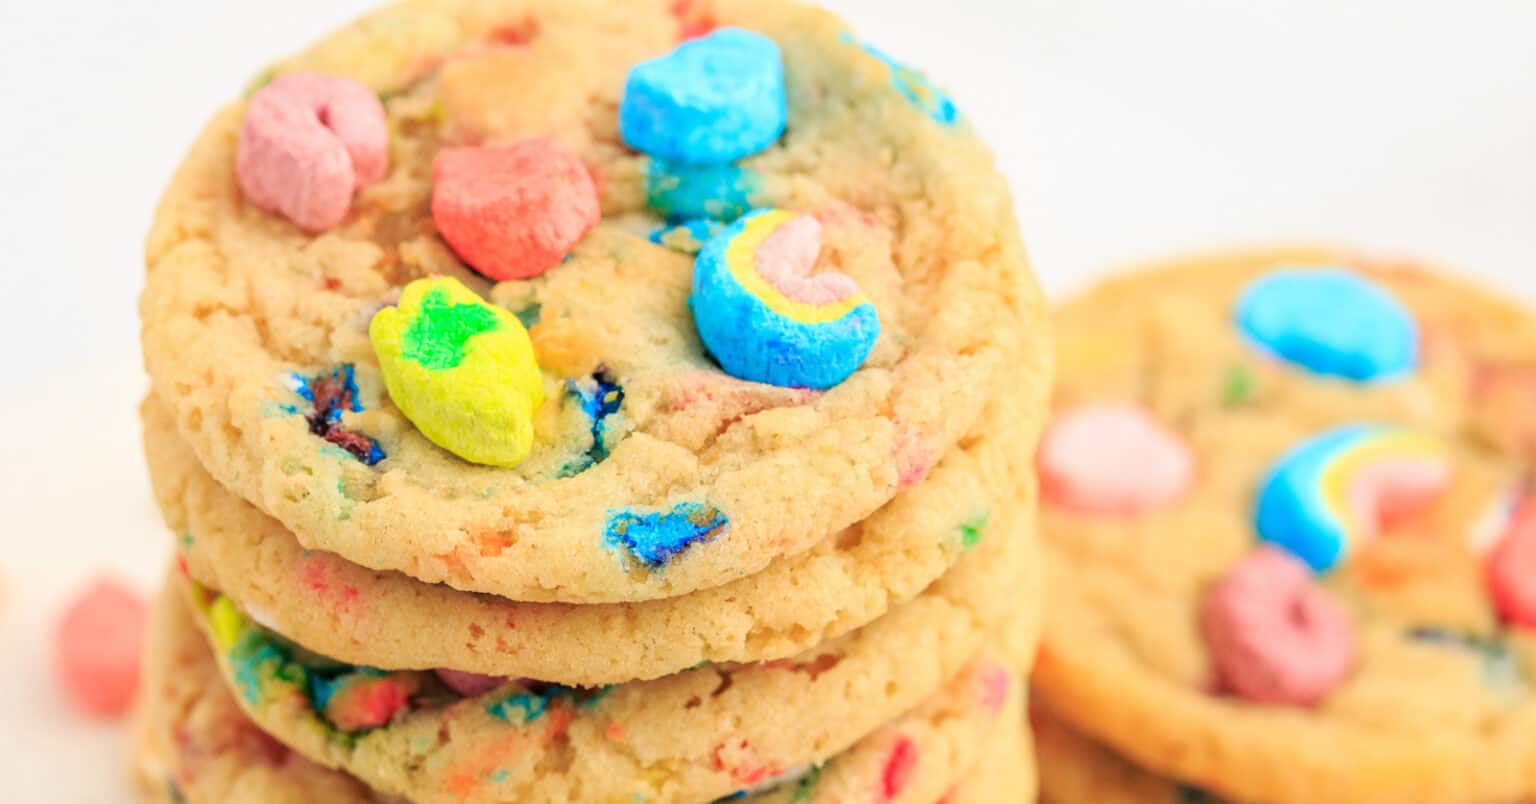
[(621, 460), (965, 507), (196, 744), (1076, 770), (690, 736), (1329, 575)]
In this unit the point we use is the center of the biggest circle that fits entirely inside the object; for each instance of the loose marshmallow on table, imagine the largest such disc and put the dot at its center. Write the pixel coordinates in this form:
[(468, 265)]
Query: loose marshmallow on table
[(1274, 635), (308, 143), (1113, 458), (97, 646)]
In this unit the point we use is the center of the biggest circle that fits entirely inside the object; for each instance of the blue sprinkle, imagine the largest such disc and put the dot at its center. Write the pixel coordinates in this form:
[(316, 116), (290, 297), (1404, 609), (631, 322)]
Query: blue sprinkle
[(916, 88), (654, 538), (687, 236), (1330, 322), (715, 192), (711, 101), (598, 399), (532, 707), (501, 775), (252, 653)]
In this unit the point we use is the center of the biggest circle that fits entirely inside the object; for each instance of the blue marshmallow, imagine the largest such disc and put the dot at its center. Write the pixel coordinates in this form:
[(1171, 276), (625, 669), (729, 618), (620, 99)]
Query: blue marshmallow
[(1330, 322), (711, 101)]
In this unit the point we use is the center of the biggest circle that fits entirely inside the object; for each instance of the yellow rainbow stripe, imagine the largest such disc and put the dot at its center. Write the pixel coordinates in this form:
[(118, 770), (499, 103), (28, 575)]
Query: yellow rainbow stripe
[(1335, 481), (741, 258)]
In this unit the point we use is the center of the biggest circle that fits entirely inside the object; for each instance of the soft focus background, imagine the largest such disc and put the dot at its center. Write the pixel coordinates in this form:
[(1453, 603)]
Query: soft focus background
[(1130, 129)]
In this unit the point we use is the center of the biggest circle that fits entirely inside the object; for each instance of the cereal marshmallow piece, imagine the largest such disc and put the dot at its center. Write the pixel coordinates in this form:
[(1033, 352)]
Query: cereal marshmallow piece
[(1113, 458), (1331, 322), (767, 318), (1512, 569), (469, 685), (1340, 490), (513, 211), (97, 646), (308, 143), (462, 370), (1274, 635), (713, 100)]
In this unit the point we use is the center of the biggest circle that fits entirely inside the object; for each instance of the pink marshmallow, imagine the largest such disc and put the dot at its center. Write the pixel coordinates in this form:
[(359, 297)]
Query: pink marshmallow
[(1393, 491), (786, 258), (469, 685), (1274, 635), (513, 211), (1512, 569), (308, 143), (96, 649), (1113, 458)]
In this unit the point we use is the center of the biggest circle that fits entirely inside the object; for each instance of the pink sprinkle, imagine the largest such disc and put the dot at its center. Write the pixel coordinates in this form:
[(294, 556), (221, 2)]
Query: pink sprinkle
[(1274, 635), (368, 703), (1113, 458), (996, 682), (513, 211), (786, 258), (97, 646), (469, 685), (899, 768), (308, 143), (1512, 569)]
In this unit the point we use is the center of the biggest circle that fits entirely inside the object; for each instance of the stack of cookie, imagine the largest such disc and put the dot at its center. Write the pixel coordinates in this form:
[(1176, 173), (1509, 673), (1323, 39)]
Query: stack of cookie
[(592, 401), (1290, 538)]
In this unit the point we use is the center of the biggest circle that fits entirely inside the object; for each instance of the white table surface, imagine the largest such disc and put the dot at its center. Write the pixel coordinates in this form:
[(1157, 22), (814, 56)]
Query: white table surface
[(1130, 129)]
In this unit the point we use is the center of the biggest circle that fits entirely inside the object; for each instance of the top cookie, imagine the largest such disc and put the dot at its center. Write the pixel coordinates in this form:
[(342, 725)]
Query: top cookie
[(1290, 536), (570, 411)]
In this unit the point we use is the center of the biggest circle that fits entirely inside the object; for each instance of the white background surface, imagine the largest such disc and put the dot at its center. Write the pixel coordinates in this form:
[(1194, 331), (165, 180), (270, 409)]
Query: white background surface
[(1131, 129)]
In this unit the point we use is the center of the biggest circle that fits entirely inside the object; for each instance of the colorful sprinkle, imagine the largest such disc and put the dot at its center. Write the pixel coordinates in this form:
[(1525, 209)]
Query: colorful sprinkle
[(363, 699), (513, 211), (656, 538), (1113, 458), (329, 396), (1340, 490), (307, 144), (463, 371), (1275, 637), (1501, 666), (600, 399), (1332, 323), (900, 766), (687, 237), (767, 318), (682, 192), (1238, 387), (711, 101), (972, 530), (918, 90), (96, 649)]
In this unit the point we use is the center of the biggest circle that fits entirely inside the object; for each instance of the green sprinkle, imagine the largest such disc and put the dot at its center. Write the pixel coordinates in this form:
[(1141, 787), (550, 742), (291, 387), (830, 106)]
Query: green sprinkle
[(259, 82), (808, 781), (186, 542), (972, 530), (1237, 387), (529, 316), (438, 334)]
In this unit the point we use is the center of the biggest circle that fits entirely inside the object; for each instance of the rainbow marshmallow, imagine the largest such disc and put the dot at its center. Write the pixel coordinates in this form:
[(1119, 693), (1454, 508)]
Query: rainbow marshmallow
[(1331, 495), (763, 314)]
